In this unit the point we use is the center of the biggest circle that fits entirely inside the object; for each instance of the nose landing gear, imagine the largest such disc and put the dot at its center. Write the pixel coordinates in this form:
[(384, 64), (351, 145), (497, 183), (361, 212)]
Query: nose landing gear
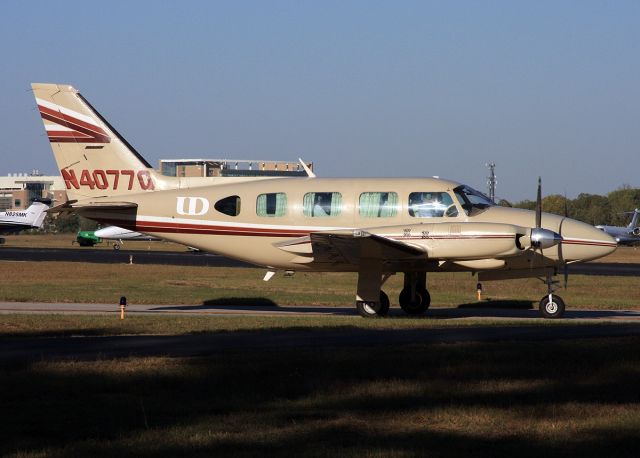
[(551, 305)]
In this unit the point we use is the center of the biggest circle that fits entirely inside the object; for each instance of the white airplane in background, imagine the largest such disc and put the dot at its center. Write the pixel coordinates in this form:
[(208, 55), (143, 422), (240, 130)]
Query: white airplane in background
[(12, 221), (625, 235), (119, 234)]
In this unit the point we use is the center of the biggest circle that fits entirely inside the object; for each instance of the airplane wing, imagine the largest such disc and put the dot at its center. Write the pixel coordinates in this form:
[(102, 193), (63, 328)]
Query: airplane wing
[(350, 247), (419, 243)]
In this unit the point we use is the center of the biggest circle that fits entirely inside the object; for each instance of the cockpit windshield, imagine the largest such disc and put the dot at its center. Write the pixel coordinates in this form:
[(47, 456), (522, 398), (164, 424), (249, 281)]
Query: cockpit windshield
[(472, 201)]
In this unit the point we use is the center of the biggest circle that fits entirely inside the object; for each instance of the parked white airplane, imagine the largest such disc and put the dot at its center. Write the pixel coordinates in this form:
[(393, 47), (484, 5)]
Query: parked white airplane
[(120, 234), (18, 220), (375, 227), (629, 235)]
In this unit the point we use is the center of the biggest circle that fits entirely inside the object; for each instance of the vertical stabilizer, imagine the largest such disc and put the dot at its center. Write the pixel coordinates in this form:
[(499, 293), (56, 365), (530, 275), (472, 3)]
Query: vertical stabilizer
[(93, 158), (633, 226), (36, 214)]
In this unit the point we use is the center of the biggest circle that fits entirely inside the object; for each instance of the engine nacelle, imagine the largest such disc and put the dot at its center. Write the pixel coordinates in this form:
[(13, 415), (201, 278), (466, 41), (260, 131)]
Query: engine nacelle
[(460, 241)]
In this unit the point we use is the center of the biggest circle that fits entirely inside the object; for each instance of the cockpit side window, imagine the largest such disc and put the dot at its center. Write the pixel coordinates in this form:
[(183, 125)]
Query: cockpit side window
[(431, 205), (472, 201)]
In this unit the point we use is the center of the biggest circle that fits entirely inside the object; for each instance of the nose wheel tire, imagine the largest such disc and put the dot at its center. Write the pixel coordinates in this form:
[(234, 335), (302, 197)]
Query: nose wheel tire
[(374, 309), (553, 308), (415, 305)]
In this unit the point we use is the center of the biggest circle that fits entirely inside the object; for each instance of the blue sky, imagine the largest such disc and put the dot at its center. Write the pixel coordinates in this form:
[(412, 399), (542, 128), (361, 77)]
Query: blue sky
[(362, 88)]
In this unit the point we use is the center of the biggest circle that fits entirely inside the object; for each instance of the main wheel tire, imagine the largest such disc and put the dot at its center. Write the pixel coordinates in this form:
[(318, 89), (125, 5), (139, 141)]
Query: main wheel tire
[(366, 309), (374, 309), (553, 308), (384, 304), (426, 298), (418, 305)]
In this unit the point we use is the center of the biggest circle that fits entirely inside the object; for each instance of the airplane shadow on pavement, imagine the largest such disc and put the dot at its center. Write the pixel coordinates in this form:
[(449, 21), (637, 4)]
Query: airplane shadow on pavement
[(524, 309), (498, 304), (213, 304)]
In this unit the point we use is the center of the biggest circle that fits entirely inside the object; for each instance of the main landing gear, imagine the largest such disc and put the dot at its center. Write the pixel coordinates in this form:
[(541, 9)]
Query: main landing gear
[(414, 297), (370, 309), (371, 301), (551, 305)]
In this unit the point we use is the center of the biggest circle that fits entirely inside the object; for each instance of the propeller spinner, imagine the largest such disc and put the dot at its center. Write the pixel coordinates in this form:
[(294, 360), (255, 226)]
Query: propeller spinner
[(542, 238)]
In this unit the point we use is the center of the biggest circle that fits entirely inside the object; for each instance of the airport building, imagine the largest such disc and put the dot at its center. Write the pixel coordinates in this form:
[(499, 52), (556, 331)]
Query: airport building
[(17, 190), (230, 168)]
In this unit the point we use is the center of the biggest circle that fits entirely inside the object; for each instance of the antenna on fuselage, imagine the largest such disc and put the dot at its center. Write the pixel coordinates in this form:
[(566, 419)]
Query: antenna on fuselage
[(306, 168)]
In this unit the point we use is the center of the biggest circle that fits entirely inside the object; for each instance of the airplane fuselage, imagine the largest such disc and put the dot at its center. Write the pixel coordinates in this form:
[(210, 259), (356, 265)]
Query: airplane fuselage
[(248, 220)]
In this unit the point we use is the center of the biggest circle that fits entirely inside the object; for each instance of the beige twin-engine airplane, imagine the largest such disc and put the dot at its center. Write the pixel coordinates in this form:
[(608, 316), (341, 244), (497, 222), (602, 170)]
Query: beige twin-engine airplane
[(373, 226)]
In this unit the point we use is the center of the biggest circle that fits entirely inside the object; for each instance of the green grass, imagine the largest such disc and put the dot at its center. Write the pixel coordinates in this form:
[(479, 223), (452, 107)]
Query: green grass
[(155, 284), (72, 325), (547, 399)]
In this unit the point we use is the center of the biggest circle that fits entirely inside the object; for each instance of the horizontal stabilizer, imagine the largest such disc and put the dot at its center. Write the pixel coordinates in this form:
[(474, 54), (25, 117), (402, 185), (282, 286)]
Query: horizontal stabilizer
[(72, 206)]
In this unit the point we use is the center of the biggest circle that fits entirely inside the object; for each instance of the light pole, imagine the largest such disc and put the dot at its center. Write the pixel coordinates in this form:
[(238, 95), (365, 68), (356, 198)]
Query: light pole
[(491, 181)]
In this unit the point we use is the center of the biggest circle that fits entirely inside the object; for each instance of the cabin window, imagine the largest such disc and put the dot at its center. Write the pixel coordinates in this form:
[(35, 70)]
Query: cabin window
[(431, 205), (322, 204), (229, 205), (272, 204), (378, 204)]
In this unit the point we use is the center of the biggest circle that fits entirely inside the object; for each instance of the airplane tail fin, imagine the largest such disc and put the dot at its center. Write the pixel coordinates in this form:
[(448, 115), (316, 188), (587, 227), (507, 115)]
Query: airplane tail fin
[(36, 213), (94, 159), (633, 226)]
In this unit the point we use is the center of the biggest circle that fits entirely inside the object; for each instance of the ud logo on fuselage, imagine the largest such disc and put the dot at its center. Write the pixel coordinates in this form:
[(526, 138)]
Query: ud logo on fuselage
[(192, 206)]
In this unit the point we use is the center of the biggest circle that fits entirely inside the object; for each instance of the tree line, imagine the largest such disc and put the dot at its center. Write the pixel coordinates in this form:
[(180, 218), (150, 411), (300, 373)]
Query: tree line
[(593, 209)]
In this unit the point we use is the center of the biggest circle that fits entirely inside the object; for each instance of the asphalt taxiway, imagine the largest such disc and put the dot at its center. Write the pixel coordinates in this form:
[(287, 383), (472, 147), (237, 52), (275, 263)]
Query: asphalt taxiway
[(473, 311), (179, 258)]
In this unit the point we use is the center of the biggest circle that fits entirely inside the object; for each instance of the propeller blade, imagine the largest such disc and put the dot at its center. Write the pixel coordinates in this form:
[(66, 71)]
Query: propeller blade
[(539, 204), (560, 254), (565, 266)]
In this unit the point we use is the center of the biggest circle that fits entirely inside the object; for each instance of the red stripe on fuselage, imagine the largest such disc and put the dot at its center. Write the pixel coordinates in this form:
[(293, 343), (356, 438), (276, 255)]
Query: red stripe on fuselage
[(205, 229), (588, 242)]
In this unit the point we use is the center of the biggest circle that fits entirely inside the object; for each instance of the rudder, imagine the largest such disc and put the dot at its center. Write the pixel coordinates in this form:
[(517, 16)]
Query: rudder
[(93, 158)]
